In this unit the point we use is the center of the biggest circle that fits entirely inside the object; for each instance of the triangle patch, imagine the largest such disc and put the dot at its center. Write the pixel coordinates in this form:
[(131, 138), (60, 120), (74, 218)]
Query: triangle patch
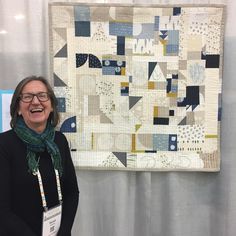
[(104, 119), (62, 52), (122, 156), (151, 67), (58, 82), (61, 32), (133, 101), (183, 122)]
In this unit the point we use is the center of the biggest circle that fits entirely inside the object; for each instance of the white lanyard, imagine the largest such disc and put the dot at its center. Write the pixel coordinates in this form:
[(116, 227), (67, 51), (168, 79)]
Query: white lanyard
[(44, 202)]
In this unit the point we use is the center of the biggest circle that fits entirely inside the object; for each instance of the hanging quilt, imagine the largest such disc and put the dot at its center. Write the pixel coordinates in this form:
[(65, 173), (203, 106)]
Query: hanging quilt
[(139, 87)]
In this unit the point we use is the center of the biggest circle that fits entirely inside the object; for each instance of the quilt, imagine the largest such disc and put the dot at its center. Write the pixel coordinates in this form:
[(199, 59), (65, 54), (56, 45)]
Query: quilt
[(139, 86)]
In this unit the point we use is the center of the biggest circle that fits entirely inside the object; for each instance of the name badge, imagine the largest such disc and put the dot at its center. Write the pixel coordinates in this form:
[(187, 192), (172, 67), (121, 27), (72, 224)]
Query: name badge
[(52, 221)]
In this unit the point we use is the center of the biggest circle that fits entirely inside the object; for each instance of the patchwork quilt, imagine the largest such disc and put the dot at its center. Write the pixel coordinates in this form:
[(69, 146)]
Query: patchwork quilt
[(139, 87)]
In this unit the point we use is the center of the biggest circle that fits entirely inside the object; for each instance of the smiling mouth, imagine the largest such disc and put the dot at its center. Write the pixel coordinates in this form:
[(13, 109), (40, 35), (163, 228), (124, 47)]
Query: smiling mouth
[(36, 110)]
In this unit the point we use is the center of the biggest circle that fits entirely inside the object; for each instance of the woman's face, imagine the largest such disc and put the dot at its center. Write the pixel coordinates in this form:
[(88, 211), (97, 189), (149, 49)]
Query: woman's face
[(35, 113)]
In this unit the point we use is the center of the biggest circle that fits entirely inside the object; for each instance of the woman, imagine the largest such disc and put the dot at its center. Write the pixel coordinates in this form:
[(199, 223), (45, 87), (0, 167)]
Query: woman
[(38, 187)]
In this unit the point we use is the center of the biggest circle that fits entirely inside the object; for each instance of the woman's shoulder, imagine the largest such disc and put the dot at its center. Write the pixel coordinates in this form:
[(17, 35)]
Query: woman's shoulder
[(9, 134), (60, 136), (8, 140), (61, 141)]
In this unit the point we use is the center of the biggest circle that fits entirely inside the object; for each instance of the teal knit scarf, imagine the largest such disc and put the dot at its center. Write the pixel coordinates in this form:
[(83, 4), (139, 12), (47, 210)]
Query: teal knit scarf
[(36, 143)]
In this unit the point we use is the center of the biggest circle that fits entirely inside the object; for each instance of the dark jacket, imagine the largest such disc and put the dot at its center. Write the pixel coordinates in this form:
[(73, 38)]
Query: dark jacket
[(20, 200)]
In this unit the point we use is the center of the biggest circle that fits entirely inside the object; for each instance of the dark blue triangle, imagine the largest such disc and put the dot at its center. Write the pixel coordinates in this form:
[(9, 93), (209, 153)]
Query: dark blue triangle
[(193, 107), (151, 67), (164, 32)]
